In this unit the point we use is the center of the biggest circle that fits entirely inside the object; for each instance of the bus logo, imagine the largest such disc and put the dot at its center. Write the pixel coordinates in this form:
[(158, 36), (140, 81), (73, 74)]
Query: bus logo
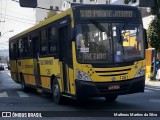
[(6, 114)]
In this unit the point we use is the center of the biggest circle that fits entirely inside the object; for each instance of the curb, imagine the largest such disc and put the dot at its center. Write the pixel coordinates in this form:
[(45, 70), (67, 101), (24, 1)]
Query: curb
[(152, 83)]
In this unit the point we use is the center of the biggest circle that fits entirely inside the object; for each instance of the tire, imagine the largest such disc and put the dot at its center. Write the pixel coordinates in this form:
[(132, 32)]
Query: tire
[(24, 87), (57, 97), (111, 98)]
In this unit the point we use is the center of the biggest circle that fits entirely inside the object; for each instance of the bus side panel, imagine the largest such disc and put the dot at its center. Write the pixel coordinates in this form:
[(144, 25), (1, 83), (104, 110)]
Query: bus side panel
[(26, 67), (29, 79), (46, 82), (49, 67), (13, 70)]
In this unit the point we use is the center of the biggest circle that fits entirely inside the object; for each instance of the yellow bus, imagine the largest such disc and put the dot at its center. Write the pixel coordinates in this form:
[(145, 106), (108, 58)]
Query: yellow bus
[(85, 51)]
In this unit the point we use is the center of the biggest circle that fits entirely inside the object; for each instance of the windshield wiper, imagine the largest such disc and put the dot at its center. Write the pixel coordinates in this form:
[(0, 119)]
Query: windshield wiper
[(123, 28), (100, 27), (121, 40)]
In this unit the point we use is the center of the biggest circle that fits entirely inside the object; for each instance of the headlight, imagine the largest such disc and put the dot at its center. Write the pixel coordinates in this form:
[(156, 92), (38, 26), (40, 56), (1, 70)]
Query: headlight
[(141, 72), (82, 76)]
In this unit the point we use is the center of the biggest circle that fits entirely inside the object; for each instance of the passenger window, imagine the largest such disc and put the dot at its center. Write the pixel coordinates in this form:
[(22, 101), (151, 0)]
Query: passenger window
[(52, 40), (44, 43)]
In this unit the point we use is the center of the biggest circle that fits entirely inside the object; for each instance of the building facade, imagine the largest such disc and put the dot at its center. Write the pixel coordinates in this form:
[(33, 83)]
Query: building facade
[(68, 3), (42, 13), (61, 5), (147, 17)]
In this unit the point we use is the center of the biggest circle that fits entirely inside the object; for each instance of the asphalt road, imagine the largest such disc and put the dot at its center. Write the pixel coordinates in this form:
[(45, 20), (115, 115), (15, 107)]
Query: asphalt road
[(12, 98)]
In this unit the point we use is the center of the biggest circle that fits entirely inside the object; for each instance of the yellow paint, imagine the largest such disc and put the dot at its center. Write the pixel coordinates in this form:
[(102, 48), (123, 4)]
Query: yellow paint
[(148, 62), (49, 66), (45, 69), (13, 66), (131, 40), (13, 70), (67, 79), (97, 78), (25, 66), (39, 90), (96, 75), (71, 79), (46, 82), (29, 79), (60, 80)]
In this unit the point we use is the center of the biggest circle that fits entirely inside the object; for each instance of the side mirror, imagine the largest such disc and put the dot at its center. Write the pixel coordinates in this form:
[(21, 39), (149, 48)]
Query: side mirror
[(28, 3), (145, 38)]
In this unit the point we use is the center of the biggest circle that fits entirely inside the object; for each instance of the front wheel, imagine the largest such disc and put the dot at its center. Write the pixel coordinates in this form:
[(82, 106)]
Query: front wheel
[(58, 99), (111, 98)]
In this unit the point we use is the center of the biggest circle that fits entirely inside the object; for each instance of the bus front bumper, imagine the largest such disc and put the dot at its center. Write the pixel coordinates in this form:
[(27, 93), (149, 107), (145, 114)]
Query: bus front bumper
[(101, 89)]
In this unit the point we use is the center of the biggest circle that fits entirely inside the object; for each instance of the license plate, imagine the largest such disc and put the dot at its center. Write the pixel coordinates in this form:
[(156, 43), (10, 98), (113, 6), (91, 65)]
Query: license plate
[(114, 87)]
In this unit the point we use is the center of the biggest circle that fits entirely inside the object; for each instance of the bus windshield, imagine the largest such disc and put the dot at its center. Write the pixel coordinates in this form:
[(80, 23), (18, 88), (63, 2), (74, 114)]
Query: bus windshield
[(109, 42)]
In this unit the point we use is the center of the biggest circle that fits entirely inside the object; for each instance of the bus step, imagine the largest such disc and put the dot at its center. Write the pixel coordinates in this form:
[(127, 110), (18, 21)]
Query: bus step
[(39, 90), (67, 96)]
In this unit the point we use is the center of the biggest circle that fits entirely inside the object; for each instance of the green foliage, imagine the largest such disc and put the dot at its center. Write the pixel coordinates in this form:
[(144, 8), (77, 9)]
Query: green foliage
[(50, 14), (153, 34), (127, 1), (155, 10), (152, 77)]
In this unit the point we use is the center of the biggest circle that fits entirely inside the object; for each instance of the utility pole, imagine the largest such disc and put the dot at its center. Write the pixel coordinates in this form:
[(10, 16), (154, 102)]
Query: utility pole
[(1, 21)]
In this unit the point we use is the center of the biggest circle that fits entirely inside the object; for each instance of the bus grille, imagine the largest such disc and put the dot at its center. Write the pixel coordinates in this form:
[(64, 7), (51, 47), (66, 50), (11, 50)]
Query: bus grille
[(112, 72)]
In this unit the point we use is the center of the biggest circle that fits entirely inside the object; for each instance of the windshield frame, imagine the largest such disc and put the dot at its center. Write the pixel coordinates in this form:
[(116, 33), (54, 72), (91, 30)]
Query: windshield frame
[(112, 47)]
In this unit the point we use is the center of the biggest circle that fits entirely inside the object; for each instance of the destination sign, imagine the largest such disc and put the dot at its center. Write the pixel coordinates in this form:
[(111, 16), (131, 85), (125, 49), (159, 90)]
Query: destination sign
[(106, 13)]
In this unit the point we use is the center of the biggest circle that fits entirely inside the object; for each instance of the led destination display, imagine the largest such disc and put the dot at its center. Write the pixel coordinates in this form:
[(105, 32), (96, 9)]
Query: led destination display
[(106, 13)]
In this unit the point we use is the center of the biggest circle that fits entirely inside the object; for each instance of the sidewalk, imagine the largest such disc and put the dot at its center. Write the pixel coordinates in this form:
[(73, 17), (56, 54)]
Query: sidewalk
[(152, 82)]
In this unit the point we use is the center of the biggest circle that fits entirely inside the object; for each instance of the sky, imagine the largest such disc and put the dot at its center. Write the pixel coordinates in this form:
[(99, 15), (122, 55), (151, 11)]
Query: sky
[(17, 19)]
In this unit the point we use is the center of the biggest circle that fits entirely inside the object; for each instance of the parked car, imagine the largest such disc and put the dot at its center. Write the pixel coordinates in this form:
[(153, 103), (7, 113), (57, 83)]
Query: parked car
[(3, 66)]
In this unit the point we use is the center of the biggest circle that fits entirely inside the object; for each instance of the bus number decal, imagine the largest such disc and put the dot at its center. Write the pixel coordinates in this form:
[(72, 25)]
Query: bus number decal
[(48, 71), (123, 77)]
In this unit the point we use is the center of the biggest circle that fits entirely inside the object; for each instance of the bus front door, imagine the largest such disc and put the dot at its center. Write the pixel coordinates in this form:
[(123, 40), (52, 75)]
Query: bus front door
[(35, 43), (63, 56)]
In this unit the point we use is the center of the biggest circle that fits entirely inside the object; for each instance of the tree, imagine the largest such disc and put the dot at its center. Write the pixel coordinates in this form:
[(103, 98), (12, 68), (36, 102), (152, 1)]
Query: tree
[(51, 13), (153, 34), (156, 9), (127, 1)]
